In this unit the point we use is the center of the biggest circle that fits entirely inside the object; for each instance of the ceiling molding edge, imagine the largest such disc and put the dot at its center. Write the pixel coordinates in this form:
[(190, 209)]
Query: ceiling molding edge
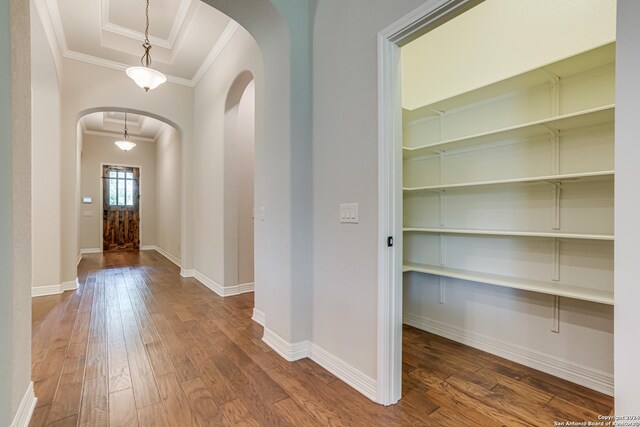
[(217, 49), (183, 34), (101, 62), (43, 14), (56, 31), (109, 134)]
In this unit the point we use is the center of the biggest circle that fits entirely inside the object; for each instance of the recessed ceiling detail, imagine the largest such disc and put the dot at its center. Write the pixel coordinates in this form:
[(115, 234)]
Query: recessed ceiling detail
[(111, 123), (185, 34)]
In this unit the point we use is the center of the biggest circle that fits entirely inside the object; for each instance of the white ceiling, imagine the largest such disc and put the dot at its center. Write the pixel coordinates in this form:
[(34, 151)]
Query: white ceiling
[(186, 35), (112, 123)]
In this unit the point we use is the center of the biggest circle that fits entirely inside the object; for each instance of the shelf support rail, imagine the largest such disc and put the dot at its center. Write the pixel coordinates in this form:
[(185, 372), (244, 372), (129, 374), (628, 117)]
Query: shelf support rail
[(556, 314), (556, 193), (555, 93), (441, 290), (441, 115), (555, 244), (554, 138), (443, 209)]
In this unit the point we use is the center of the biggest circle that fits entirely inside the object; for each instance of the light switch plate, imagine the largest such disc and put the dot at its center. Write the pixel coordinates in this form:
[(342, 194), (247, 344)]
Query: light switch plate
[(87, 213), (349, 213)]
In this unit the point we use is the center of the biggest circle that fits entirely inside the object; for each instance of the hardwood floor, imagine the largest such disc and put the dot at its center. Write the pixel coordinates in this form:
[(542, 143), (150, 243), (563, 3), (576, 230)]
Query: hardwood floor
[(137, 345)]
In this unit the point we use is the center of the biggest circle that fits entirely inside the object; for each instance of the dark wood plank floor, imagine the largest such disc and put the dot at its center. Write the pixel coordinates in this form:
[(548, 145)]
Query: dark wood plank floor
[(137, 345)]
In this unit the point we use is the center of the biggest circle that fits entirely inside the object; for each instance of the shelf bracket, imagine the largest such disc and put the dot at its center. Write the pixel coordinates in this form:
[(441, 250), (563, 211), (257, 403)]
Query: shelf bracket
[(441, 290), (441, 155), (555, 93), (441, 115), (554, 137), (556, 260), (556, 314), (443, 209)]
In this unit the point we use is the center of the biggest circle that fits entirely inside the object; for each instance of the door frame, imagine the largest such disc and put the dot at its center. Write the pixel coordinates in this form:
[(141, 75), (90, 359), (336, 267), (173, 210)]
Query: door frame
[(425, 18), (101, 230)]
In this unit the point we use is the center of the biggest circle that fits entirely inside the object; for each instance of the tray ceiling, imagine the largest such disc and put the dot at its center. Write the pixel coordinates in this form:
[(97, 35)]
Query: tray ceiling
[(186, 35), (112, 123)]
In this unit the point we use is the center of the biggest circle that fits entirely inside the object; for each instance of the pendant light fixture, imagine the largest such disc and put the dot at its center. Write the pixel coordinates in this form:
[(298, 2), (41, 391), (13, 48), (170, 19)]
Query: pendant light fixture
[(145, 76), (125, 144)]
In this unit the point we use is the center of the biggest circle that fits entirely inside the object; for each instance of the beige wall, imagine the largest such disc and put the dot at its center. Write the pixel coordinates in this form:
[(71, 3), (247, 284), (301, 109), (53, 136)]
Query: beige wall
[(472, 50), (239, 137), (101, 149), (209, 155), (169, 192), (45, 158), (627, 268), (345, 164), (15, 206), (245, 151)]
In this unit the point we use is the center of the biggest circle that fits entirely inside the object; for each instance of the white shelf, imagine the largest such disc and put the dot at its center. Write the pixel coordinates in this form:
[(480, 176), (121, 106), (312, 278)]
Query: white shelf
[(463, 231), (589, 60), (591, 176), (549, 288), (562, 123)]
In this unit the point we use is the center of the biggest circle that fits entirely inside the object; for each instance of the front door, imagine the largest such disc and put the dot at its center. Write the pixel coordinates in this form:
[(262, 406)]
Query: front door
[(121, 208)]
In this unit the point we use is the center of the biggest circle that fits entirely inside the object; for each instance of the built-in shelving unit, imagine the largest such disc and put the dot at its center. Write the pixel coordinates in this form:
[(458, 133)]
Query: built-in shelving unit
[(592, 176), (552, 288), (469, 232), (564, 123), (512, 184)]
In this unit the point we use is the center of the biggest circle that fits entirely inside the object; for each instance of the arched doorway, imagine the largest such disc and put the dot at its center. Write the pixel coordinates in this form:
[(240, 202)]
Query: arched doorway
[(239, 153)]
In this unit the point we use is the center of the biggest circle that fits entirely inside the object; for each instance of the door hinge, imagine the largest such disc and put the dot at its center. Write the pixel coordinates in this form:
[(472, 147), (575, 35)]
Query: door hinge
[(390, 241)]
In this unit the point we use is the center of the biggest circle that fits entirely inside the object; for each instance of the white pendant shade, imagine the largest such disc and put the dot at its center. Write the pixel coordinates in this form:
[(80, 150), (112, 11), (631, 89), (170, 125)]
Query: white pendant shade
[(145, 77), (125, 145)]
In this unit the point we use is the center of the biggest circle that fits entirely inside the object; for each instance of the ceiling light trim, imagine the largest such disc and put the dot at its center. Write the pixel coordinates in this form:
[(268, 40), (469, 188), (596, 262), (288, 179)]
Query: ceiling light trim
[(217, 49)]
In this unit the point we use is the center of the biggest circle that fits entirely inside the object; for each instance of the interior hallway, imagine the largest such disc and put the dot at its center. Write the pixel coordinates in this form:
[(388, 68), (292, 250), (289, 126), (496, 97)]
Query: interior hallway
[(139, 345)]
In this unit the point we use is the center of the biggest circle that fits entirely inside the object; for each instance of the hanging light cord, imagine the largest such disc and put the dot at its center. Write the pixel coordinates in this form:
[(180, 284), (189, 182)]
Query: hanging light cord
[(146, 58), (126, 131)]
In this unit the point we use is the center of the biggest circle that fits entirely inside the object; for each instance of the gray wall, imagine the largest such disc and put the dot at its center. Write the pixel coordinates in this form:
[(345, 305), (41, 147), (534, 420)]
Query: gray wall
[(15, 206), (627, 268)]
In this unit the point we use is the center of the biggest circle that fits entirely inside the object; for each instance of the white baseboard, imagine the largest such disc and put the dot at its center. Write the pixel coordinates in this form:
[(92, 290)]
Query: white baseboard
[(290, 352), (258, 316), (87, 251), (347, 373), (40, 291), (338, 367), (148, 248), (223, 291), (567, 370), (167, 255), (78, 259), (25, 409)]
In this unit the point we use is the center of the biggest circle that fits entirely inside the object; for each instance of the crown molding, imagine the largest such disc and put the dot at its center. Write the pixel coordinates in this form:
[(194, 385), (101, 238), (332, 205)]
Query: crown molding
[(101, 62), (56, 31), (217, 49), (110, 134), (42, 12)]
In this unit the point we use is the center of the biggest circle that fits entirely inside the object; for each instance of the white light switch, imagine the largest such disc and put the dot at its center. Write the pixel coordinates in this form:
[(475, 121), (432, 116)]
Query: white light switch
[(262, 213), (349, 213)]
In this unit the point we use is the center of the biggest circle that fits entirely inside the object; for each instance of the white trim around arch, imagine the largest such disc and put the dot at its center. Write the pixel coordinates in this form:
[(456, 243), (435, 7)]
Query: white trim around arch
[(422, 20)]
